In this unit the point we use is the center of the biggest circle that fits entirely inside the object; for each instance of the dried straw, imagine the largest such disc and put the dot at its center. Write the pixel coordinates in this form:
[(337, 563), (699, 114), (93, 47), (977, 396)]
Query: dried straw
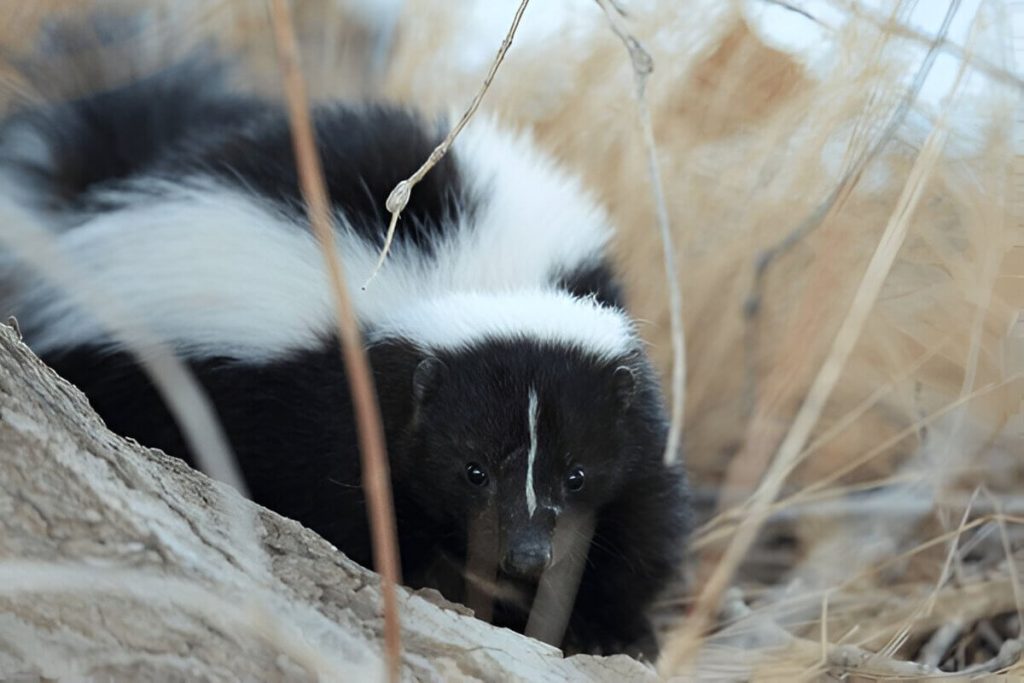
[(376, 472)]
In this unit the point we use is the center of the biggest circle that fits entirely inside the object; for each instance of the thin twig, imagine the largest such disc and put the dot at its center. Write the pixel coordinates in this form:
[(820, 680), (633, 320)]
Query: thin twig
[(934, 651), (925, 609), (399, 197), (900, 29), (1011, 564), (795, 9), (946, 468), (820, 655), (824, 627), (843, 423), (1009, 654), (643, 66), (967, 602), (722, 526), (376, 475), (683, 646), (907, 31), (848, 467)]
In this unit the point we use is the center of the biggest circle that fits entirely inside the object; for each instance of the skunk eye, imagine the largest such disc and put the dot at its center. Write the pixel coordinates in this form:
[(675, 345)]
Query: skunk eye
[(574, 482), (475, 474)]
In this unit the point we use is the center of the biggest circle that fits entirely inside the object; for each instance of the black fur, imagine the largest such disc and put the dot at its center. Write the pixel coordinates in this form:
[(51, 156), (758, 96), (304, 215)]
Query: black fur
[(180, 123), (478, 413), (365, 151), (289, 421), (286, 425), (596, 280), (115, 134)]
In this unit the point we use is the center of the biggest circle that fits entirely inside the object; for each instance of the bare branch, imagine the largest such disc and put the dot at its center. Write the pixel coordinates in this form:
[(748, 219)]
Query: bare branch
[(399, 197), (643, 66)]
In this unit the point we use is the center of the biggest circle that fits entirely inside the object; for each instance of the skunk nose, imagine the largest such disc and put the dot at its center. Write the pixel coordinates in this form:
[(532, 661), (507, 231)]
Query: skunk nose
[(527, 561)]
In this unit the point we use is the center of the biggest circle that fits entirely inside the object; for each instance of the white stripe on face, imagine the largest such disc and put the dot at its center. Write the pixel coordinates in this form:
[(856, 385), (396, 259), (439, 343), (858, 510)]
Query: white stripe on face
[(531, 493)]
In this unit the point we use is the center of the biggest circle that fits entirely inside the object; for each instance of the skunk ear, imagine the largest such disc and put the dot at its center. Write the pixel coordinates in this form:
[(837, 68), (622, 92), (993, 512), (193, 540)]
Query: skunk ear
[(427, 378), (624, 385)]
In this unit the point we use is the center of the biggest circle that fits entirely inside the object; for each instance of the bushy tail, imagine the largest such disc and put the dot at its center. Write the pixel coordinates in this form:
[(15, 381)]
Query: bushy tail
[(88, 131)]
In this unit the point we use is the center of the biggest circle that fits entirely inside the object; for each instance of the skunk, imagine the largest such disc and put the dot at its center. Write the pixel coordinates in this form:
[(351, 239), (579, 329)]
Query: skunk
[(511, 380)]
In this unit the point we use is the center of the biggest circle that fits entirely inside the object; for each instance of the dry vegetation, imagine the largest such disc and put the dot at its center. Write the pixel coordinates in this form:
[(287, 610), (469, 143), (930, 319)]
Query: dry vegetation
[(896, 542)]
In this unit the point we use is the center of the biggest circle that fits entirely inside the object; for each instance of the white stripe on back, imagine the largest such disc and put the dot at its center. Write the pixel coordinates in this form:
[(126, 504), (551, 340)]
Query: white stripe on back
[(214, 270)]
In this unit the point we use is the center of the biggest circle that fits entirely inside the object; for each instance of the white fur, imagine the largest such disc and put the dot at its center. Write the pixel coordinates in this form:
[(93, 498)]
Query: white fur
[(531, 492), (535, 215), (460, 320), (215, 270), (207, 270)]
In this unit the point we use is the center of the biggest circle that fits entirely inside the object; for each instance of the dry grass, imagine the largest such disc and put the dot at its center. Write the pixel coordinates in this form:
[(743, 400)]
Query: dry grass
[(924, 408), (374, 458), (889, 525)]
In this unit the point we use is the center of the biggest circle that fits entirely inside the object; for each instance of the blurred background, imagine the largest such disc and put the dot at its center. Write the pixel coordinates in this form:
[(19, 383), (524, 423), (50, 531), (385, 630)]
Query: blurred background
[(792, 136)]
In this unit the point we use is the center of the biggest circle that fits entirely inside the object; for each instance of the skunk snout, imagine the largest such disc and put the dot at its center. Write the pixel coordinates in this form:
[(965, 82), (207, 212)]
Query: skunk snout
[(527, 559)]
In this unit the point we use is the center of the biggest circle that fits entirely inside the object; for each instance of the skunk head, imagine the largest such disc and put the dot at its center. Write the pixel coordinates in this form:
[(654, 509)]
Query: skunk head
[(518, 409)]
